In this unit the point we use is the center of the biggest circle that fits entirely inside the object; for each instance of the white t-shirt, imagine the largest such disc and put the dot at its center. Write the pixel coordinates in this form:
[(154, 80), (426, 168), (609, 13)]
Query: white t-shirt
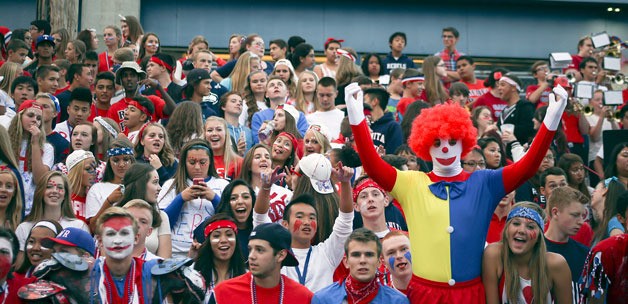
[(6, 100), (594, 146), (5, 120), (24, 228), (48, 159), (331, 119), (64, 130), (244, 116), (152, 241), (96, 197), (279, 198), (192, 214), (325, 256)]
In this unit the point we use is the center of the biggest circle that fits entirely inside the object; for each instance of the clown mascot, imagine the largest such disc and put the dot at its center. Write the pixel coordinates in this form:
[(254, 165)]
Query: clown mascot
[(448, 210)]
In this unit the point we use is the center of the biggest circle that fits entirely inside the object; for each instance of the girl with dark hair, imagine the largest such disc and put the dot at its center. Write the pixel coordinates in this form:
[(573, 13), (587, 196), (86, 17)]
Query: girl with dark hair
[(493, 151), (32, 252), (254, 96), (618, 163), (302, 58), (604, 208), (132, 30), (238, 201), (434, 70), (88, 36), (573, 165), (52, 202), (153, 147), (192, 195), (185, 124), (222, 258), (141, 181), (491, 98), (108, 191), (328, 68), (372, 67), (521, 261), (149, 46), (255, 161)]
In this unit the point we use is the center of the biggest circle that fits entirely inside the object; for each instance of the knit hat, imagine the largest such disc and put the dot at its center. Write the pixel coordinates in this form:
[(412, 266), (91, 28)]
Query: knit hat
[(76, 157)]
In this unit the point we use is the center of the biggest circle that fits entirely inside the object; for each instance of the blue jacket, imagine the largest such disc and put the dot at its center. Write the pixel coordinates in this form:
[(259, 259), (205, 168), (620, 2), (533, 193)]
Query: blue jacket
[(335, 293), (390, 63), (387, 132), (267, 114)]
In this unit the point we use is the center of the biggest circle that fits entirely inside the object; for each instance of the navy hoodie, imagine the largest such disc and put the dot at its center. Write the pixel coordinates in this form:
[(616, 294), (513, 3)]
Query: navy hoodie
[(387, 132)]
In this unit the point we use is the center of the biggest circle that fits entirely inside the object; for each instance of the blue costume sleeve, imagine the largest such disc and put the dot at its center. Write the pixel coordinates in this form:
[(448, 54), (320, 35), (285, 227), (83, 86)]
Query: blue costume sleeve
[(174, 210)]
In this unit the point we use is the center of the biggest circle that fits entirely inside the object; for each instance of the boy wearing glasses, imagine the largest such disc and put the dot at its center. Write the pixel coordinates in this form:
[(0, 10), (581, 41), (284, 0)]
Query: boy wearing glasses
[(449, 54), (567, 213)]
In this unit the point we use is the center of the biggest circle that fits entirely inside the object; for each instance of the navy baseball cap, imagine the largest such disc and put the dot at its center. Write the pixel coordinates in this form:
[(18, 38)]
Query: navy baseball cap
[(45, 38), (73, 237), (279, 238)]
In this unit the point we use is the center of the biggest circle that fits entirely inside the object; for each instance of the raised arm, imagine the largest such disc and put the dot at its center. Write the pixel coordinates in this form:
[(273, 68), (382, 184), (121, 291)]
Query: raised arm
[(380, 171), (516, 174)]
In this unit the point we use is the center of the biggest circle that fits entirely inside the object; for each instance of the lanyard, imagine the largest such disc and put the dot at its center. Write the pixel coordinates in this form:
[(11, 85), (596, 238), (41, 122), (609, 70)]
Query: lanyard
[(307, 263)]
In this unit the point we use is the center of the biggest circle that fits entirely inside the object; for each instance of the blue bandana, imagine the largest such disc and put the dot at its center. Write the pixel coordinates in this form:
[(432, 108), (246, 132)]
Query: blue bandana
[(119, 151), (528, 213)]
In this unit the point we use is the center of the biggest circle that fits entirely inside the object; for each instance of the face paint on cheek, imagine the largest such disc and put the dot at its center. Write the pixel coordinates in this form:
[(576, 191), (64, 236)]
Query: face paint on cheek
[(118, 243), (391, 263), (408, 256), (231, 239), (297, 225), (314, 225), (5, 266), (532, 234)]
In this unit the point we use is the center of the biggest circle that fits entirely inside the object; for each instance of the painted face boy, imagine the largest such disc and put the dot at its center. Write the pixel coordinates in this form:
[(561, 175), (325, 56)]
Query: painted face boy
[(118, 237)]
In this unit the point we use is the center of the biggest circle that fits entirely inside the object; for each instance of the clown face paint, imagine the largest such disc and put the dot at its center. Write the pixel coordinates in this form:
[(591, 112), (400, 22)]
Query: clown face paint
[(446, 155), (6, 257), (118, 237)]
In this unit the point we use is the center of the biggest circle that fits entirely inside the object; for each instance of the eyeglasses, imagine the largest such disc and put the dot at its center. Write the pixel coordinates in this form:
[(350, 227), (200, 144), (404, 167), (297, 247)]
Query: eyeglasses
[(480, 164), (448, 36), (548, 157)]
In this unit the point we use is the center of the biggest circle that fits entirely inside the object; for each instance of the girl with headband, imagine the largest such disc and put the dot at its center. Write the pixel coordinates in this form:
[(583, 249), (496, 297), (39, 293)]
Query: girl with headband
[(52, 202), (221, 256), (81, 175), (518, 269), (153, 147), (109, 191), (35, 157), (32, 253), (107, 131), (285, 71), (84, 137), (192, 195), (448, 211), (347, 69)]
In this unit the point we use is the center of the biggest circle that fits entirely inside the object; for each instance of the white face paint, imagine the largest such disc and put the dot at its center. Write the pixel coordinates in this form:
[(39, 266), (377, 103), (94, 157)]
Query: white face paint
[(446, 155), (6, 248), (118, 238)]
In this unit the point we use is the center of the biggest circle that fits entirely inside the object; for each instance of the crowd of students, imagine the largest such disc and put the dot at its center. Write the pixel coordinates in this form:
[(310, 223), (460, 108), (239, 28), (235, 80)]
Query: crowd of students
[(133, 176)]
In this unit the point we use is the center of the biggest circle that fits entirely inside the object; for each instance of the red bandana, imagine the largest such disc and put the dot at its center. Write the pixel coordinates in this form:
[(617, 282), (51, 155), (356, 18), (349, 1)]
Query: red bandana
[(365, 183), (358, 292)]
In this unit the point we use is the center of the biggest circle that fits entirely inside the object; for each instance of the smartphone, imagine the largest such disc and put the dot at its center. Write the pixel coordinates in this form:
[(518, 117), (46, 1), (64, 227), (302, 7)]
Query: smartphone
[(198, 181)]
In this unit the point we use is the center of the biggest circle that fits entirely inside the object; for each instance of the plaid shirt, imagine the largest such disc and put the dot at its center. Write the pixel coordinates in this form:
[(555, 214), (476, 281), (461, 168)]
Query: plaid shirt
[(449, 58)]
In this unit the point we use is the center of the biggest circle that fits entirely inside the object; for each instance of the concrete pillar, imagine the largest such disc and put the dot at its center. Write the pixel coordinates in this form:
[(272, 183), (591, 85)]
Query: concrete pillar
[(62, 14), (97, 14)]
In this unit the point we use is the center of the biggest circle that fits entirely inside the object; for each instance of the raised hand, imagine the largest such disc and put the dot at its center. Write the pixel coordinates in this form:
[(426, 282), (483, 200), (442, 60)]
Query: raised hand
[(557, 103), (269, 177), (341, 173), (354, 99)]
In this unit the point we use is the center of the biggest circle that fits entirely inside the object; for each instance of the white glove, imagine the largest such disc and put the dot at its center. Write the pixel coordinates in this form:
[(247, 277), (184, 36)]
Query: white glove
[(355, 105), (555, 108)]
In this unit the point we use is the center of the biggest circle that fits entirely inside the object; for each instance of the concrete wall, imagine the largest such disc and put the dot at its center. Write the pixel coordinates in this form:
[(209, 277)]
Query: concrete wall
[(99, 13)]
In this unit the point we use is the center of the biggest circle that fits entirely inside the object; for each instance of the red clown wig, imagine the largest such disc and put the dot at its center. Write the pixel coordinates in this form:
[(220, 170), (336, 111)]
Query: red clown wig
[(449, 121)]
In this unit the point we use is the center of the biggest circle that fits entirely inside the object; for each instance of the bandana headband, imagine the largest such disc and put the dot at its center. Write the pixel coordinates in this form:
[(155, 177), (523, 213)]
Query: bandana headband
[(331, 39), (140, 107), (510, 82), (413, 79), (346, 54), (119, 151), (220, 224), (107, 126), (292, 139), (161, 63), (528, 213), (366, 183)]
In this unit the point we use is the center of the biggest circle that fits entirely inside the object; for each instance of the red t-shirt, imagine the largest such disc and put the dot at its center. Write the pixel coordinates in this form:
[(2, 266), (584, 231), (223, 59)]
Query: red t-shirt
[(105, 62), (570, 126), (78, 206), (403, 104), (495, 229), (495, 104), (238, 290), (14, 285), (543, 100), (476, 89), (219, 163), (116, 112), (95, 112)]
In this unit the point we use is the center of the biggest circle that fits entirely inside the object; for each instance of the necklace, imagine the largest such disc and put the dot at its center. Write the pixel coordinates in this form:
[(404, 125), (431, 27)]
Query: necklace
[(112, 291), (254, 292)]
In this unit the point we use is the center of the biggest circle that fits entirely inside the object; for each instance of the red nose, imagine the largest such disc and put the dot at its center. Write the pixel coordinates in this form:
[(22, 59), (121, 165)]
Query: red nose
[(445, 150)]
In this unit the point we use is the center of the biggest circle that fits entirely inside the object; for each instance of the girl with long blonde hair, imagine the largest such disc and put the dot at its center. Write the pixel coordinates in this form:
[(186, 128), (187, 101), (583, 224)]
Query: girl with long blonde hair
[(227, 161), (10, 199), (305, 98), (10, 71), (253, 96), (520, 263), (434, 70), (247, 63), (81, 166)]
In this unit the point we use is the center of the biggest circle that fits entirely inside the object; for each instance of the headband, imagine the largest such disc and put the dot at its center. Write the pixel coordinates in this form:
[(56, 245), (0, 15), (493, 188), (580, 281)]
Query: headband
[(609, 180), (344, 53), (55, 101), (292, 139), (160, 62), (196, 147), (107, 126), (511, 82), (119, 151), (366, 183), (140, 107), (46, 224), (76, 157), (413, 79), (330, 40), (220, 224), (528, 213)]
